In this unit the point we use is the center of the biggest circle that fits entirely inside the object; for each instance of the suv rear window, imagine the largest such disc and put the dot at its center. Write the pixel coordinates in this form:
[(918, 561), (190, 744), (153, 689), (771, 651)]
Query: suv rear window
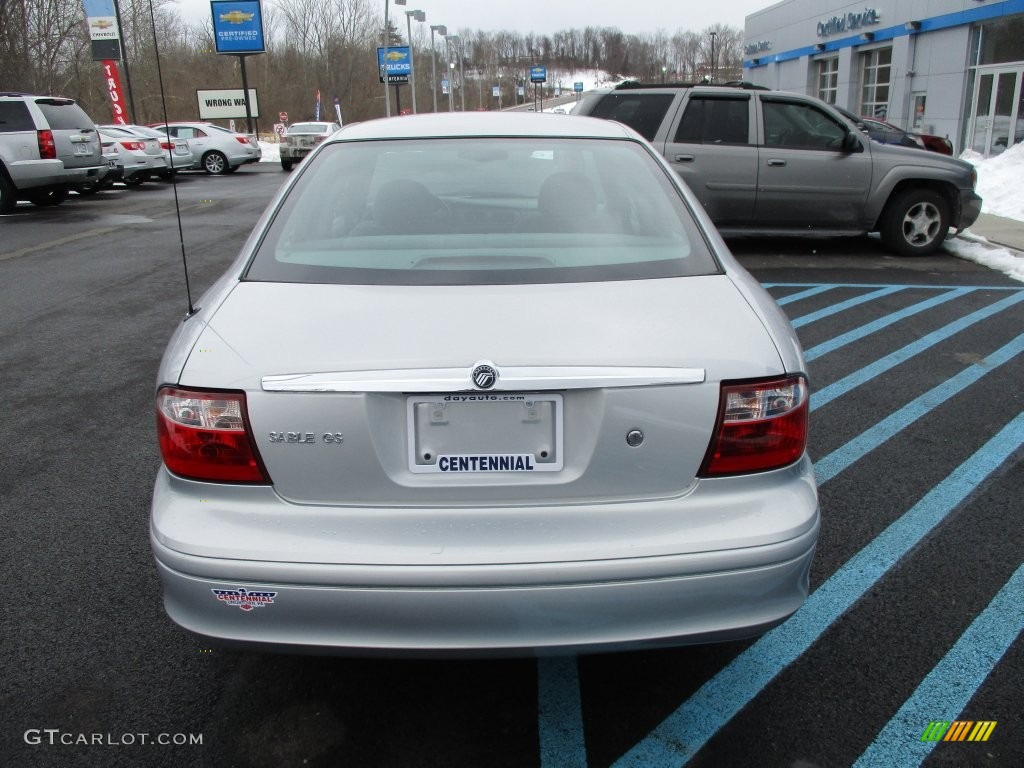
[(63, 115), (14, 116), (643, 112), (482, 211)]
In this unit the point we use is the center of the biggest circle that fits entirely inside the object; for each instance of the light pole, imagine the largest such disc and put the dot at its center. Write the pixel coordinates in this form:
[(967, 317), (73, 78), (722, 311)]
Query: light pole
[(664, 69), (713, 36), (456, 42), (451, 84), (409, 16), (384, 68), (442, 30)]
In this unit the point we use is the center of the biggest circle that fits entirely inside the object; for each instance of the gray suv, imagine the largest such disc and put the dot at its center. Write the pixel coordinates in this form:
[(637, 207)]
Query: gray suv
[(48, 145), (770, 162)]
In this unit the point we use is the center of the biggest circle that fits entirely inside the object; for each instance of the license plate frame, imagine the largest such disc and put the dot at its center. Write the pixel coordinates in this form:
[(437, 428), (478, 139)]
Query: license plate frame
[(82, 150), (498, 433)]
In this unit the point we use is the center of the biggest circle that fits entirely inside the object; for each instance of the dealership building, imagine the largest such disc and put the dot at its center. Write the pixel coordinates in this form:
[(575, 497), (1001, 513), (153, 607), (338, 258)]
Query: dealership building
[(948, 67)]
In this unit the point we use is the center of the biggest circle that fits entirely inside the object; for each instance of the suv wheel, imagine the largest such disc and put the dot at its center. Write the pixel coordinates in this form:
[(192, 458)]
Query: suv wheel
[(48, 195), (915, 222), (8, 197), (215, 163)]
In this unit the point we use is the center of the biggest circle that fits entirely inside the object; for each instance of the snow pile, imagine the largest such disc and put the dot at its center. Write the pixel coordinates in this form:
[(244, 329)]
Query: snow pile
[(998, 181), (271, 152)]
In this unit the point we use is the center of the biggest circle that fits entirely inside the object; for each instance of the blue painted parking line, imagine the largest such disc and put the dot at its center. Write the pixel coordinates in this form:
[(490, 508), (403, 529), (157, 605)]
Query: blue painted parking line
[(890, 361), (842, 306), (697, 720), (947, 689), (818, 289), (831, 465), (560, 714), (883, 322)]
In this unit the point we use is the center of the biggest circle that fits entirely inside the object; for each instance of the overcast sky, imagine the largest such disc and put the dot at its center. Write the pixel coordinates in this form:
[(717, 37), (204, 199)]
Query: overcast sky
[(549, 16)]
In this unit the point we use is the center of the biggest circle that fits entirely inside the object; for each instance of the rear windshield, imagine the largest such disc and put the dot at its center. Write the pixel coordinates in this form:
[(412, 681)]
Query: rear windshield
[(310, 128), (481, 211), (64, 115), (643, 112)]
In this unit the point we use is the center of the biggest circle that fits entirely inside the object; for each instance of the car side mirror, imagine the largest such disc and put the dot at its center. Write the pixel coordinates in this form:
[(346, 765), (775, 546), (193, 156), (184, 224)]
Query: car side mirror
[(852, 143)]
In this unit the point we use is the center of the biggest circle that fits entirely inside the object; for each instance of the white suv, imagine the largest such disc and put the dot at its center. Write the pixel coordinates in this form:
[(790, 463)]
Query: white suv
[(47, 146)]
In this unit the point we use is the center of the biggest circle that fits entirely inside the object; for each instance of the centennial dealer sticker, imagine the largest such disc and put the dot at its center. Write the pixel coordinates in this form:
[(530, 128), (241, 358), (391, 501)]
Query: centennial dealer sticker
[(244, 598)]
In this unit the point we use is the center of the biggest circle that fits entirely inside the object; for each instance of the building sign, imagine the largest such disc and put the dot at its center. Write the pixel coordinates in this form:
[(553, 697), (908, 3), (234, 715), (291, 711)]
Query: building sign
[(851, 22), (226, 103), (396, 62), (237, 26), (104, 35), (752, 49), (117, 102), (538, 74)]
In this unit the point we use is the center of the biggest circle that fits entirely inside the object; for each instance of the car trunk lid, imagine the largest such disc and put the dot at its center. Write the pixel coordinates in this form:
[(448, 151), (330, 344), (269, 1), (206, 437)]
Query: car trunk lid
[(356, 393)]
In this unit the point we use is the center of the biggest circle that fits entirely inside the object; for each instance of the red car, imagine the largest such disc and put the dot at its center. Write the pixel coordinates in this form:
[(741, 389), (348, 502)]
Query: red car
[(887, 133)]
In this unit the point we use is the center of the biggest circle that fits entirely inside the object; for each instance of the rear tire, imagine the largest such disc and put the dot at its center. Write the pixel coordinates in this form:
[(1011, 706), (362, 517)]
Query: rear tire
[(48, 196), (286, 164), (8, 195), (915, 222), (133, 181), (215, 163)]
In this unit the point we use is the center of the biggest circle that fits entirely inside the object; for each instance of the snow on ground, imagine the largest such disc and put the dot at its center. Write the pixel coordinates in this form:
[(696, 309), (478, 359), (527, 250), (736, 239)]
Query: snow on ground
[(998, 185)]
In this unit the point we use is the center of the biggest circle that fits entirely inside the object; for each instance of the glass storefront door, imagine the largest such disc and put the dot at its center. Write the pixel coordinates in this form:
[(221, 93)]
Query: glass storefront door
[(997, 115)]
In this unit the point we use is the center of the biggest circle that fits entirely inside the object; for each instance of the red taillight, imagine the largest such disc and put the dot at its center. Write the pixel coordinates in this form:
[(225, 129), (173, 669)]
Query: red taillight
[(761, 425), (47, 146), (242, 139), (133, 145), (166, 145), (206, 436)]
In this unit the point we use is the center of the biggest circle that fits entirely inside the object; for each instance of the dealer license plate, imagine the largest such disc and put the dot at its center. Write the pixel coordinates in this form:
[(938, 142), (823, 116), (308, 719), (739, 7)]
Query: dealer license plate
[(83, 149), (495, 432)]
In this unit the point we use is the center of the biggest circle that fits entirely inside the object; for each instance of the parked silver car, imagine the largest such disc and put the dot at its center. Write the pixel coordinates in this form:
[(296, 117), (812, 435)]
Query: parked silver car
[(178, 154), (483, 383), (302, 138), (48, 146), (218, 149), (141, 156)]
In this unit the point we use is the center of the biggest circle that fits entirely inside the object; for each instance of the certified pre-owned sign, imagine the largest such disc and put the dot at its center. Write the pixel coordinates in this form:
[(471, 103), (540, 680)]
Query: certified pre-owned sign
[(226, 103)]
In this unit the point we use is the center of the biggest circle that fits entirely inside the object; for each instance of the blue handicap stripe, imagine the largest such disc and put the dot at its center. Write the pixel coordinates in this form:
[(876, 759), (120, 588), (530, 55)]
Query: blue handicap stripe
[(699, 718), (560, 714), (947, 689), (831, 465), (832, 391), (856, 301)]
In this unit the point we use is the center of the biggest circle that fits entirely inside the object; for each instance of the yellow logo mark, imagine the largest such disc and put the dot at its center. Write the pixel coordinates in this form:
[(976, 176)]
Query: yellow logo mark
[(103, 24), (395, 56), (236, 17)]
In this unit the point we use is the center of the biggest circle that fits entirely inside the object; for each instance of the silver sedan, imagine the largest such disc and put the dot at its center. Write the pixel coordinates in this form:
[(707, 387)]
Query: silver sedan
[(483, 384)]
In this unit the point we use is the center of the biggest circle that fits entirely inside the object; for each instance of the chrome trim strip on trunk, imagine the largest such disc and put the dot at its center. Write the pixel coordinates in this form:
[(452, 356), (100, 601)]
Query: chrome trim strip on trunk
[(460, 379)]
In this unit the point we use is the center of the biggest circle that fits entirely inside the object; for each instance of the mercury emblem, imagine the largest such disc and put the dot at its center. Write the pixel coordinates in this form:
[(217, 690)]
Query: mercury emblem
[(484, 376)]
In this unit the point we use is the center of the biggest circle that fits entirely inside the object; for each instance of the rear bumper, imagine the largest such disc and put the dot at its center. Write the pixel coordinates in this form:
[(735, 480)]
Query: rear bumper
[(502, 599), (31, 174), (604, 612)]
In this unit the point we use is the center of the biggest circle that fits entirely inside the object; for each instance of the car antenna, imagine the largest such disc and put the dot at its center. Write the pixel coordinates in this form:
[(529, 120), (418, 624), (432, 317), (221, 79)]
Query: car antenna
[(174, 182)]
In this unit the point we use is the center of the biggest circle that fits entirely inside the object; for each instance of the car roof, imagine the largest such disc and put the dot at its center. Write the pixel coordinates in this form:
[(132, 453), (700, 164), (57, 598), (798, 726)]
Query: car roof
[(483, 124)]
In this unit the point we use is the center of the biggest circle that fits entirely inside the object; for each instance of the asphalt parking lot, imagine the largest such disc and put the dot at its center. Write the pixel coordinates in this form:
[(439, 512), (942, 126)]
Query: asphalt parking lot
[(917, 435)]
